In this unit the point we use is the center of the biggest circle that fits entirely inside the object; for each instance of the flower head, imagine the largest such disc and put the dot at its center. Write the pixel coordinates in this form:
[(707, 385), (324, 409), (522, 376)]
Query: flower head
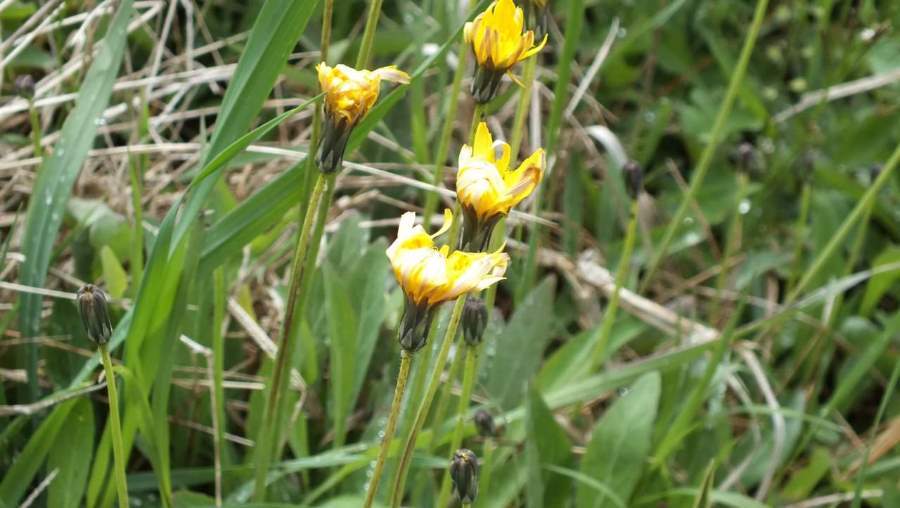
[(486, 187), (349, 95), (464, 473), (92, 306), (497, 39), (429, 275)]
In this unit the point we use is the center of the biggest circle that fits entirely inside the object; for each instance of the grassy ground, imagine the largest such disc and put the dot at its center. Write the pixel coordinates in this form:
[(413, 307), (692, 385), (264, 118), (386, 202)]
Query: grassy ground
[(750, 359)]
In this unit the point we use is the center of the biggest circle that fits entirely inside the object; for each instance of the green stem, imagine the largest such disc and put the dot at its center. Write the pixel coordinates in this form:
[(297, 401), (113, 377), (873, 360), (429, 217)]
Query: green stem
[(800, 234), (732, 242), (446, 389), (718, 131), (365, 49), (487, 465), (522, 108), (425, 405), (218, 376), (35, 129), (622, 270), (116, 426), (137, 243), (399, 389), (431, 199), (461, 412), (889, 391), (266, 442)]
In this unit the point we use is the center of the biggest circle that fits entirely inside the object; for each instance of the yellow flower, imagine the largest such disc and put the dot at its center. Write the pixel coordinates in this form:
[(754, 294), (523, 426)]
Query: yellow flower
[(498, 42), (429, 275), (486, 187), (349, 95)]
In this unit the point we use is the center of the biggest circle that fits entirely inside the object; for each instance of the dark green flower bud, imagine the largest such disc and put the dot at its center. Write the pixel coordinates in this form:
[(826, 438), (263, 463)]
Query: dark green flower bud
[(464, 473), (634, 178), (334, 143), (414, 328), (484, 422), (537, 17), (92, 305), (748, 159), (474, 320), (24, 86), (486, 84)]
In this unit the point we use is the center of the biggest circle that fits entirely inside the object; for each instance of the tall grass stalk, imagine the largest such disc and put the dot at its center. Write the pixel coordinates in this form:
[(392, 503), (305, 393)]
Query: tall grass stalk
[(715, 136), (269, 440), (609, 317), (389, 428), (116, 427), (461, 412), (431, 199), (409, 445)]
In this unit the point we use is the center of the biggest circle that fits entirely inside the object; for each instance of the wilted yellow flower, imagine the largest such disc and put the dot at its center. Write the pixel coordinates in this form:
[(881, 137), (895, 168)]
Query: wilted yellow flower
[(430, 276), (349, 95), (498, 42), (486, 187)]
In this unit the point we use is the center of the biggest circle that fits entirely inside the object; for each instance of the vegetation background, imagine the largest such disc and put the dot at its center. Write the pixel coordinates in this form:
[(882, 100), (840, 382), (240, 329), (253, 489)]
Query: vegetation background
[(753, 360)]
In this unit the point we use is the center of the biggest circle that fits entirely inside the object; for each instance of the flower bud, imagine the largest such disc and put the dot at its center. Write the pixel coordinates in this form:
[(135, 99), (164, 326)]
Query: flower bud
[(92, 305), (24, 86), (634, 178), (414, 329), (474, 320), (464, 473), (484, 422)]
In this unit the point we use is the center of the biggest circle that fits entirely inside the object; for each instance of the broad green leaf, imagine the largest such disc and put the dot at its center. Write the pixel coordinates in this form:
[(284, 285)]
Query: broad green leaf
[(805, 479), (342, 327), (71, 456), (58, 173), (617, 452), (520, 347), (546, 444), (883, 282)]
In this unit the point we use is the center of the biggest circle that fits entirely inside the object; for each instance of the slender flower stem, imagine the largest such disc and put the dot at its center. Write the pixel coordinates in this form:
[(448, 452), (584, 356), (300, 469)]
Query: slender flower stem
[(116, 426), (35, 129), (266, 441), (477, 115), (609, 316), (399, 389), (218, 377), (440, 157), (461, 412), (522, 108), (716, 134), (365, 49), (425, 405), (732, 243), (487, 464), (801, 230)]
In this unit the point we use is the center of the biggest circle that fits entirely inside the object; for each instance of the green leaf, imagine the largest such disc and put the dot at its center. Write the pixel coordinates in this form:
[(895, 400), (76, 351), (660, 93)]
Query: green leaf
[(18, 477), (113, 273), (58, 173), (342, 326), (883, 282), (546, 443), (71, 456), (620, 442), (520, 347)]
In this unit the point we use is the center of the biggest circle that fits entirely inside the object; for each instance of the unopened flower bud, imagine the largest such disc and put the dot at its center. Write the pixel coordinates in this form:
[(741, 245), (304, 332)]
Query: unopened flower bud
[(634, 178), (92, 305), (24, 86), (484, 422), (474, 320), (464, 473), (748, 159), (414, 328)]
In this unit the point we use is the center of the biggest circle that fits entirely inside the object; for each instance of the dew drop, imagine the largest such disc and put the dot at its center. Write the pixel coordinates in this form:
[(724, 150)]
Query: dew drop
[(688, 221), (744, 206)]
